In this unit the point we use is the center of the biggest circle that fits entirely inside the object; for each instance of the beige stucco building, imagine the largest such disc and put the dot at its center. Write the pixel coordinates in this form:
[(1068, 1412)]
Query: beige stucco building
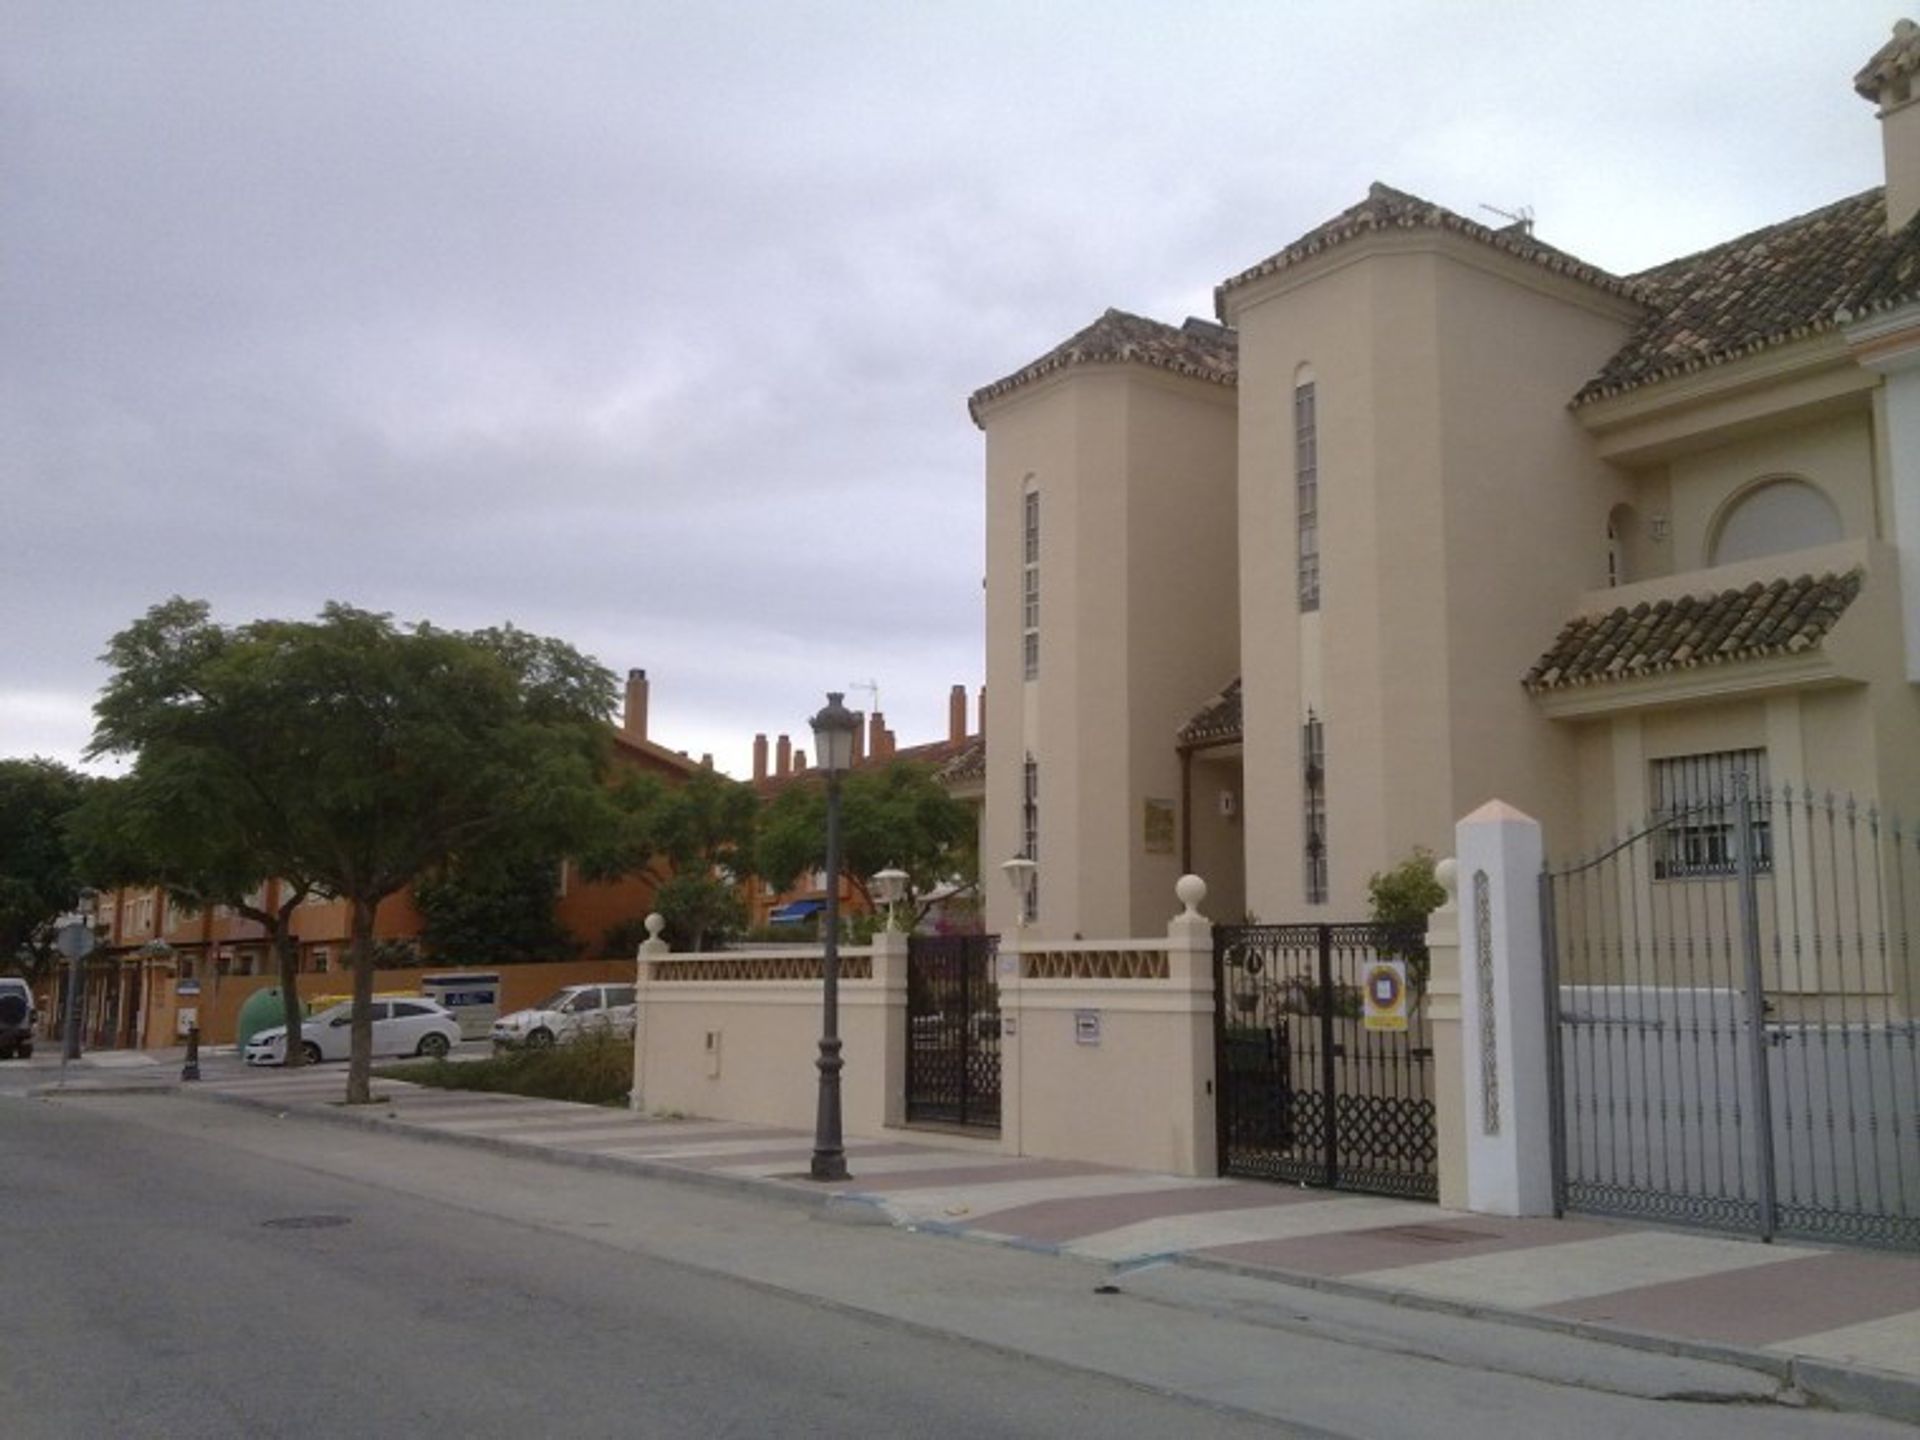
[(1435, 513)]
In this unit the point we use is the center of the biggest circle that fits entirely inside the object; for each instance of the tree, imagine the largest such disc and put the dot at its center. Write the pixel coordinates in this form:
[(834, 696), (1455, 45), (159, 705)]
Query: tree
[(373, 752), (898, 816), (1403, 897), (38, 879), (485, 910), (179, 821), (693, 839)]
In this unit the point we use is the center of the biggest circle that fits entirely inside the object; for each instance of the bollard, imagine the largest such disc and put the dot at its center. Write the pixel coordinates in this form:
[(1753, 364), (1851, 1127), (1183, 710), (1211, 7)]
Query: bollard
[(191, 1070)]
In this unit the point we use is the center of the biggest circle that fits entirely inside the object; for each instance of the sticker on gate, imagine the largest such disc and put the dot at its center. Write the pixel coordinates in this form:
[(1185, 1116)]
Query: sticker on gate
[(1386, 995)]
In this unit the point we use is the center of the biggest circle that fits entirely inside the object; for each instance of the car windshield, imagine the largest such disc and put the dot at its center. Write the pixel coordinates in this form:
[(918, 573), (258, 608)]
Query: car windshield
[(331, 1013), (559, 1000)]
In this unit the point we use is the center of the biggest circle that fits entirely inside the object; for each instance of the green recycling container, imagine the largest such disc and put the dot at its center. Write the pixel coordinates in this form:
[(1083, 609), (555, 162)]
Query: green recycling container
[(261, 1010)]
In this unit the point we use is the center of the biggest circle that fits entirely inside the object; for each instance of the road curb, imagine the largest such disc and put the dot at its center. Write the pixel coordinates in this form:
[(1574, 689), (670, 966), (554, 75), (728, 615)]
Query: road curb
[(1858, 1389)]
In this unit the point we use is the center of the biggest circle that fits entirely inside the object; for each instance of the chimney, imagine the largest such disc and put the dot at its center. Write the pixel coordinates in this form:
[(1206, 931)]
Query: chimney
[(782, 755), (706, 759), (1888, 80), (799, 761), (634, 721), (877, 735), (759, 757), (983, 712), (957, 714), (859, 740)]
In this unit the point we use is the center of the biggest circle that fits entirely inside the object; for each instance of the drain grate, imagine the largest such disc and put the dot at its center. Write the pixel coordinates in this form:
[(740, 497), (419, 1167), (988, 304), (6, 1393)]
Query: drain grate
[(306, 1222)]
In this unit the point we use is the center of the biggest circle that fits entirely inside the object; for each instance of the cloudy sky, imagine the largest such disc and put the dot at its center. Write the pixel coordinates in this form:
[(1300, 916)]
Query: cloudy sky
[(651, 326)]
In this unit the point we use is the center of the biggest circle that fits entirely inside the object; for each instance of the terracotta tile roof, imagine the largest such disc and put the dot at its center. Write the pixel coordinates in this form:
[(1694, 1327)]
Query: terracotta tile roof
[(1199, 348), (936, 754), (968, 767), (1892, 63), (1778, 284), (1217, 722), (1777, 618), (1386, 208)]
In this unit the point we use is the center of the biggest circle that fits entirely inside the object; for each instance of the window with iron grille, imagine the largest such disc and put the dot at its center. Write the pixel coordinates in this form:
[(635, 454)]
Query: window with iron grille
[(1030, 833), (1030, 598), (1306, 494), (1313, 791), (1693, 808)]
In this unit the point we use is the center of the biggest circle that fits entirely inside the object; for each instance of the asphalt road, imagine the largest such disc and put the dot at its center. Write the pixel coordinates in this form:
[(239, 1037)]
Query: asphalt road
[(176, 1266)]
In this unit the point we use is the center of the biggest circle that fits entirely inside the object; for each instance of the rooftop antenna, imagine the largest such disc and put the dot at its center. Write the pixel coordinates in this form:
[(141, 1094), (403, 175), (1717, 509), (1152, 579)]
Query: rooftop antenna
[(872, 687), (1523, 217)]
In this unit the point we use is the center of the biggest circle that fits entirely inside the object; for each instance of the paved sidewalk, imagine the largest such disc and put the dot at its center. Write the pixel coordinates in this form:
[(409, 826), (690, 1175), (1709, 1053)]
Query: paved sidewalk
[(1850, 1316)]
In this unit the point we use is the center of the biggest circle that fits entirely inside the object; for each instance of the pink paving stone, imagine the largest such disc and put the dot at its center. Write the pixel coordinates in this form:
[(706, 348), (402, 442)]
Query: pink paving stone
[(988, 1172), (1059, 1221), (649, 1138), (799, 1150), (1764, 1304), (1416, 1242)]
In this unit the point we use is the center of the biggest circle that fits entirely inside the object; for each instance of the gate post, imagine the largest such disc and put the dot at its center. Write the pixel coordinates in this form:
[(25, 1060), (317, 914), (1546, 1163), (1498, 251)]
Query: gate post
[(1190, 969), (652, 948), (1443, 1024), (1013, 1024), (890, 974), (1503, 1035)]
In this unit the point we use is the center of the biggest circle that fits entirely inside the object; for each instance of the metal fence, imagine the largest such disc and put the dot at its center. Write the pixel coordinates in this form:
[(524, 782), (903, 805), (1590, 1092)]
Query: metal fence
[(1733, 997), (1307, 1093), (953, 1031)]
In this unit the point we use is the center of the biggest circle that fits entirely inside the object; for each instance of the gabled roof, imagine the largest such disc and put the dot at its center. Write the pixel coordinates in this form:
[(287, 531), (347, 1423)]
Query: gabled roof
[(659, 754), (1386, 208), (1218, 722), (1777, 284), (1778, 618), (1199, 348), (968, 767)]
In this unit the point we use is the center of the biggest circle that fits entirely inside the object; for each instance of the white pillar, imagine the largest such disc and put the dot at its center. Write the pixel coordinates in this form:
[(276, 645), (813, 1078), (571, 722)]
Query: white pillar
[(890, 948), (1190, 973), (652, 948), (1890, 344), (1503, 1029)]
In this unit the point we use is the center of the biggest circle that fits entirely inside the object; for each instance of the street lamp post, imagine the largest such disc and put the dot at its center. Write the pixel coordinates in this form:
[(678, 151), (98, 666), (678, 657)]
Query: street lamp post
[(833, 731)]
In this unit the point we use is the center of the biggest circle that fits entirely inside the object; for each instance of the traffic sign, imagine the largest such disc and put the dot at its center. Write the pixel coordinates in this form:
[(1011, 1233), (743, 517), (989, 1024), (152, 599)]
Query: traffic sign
[(74, 940)]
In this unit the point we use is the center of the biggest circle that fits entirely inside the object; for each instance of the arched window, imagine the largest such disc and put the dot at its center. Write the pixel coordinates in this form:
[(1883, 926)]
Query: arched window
[(1771, 518)]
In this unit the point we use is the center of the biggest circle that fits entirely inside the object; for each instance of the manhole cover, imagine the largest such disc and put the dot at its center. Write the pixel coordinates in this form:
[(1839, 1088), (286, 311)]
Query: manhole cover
[(306, 1222)]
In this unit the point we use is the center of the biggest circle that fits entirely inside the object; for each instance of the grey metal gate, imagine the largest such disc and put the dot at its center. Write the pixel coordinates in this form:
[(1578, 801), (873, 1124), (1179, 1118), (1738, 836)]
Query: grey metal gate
[(1732, 998), (1306, 1092), (953, 1030)]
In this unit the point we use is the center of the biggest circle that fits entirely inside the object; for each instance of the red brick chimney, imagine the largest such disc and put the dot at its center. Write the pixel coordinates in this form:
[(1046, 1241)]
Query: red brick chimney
[(633, 722), (760, 757), (877, 735), (983, 712), (799, 761), (782, 755), (957, 714), (859, 740)]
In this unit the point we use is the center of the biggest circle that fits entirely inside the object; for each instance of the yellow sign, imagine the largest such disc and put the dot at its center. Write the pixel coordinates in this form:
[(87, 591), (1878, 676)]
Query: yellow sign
[(1386, 995)]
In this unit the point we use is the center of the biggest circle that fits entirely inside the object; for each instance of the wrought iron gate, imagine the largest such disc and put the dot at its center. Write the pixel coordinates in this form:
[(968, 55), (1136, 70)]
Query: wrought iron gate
[(1733, 994), (1307, 1093), (953, 1031)]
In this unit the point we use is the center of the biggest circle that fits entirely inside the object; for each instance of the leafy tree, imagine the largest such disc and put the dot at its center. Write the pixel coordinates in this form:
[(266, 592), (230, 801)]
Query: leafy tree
[(493, 911), (38, 879), (376, 752), (1403, 897), (693, 839), (897, 816)]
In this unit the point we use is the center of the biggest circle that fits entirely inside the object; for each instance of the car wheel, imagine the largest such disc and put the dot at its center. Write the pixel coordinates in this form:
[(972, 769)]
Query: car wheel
[(312, 1053), (434, 1046), (540, 1039)]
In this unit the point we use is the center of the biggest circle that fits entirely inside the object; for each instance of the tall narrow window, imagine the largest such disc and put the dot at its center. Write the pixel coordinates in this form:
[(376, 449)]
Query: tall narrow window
[(1313, 792), (1694, 810), (1306, 494), (1030, 596), (1030, 833)]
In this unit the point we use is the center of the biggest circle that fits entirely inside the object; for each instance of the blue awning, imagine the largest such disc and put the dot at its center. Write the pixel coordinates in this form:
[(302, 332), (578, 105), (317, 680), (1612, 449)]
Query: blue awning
[(795, 910)]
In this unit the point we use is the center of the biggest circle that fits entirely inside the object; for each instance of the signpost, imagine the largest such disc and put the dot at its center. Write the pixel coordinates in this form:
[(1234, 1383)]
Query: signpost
[(75, 941)]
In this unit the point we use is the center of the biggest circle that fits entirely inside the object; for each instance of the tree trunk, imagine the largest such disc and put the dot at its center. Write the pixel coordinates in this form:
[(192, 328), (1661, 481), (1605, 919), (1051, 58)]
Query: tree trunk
[(288, 950), (360, 1056)]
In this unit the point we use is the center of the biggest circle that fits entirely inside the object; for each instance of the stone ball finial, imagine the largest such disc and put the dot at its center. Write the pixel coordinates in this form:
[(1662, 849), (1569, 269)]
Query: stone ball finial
[(656, 922), (1447, 873), (1191, 890)]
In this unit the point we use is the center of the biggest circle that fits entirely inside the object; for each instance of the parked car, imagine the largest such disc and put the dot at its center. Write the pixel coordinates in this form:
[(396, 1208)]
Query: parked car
[(567, 1014), (400, 1027), (16, 1018)]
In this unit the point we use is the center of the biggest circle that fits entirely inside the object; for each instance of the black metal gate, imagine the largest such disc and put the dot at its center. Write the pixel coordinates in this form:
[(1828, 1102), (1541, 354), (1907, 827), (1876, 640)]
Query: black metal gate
[(1307, 1093), (1732, 995), (953, 1031)]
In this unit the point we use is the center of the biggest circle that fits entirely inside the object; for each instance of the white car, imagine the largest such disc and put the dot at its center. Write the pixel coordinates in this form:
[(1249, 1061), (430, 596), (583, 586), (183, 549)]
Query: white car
[(400, 1027), (567, 1014)]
